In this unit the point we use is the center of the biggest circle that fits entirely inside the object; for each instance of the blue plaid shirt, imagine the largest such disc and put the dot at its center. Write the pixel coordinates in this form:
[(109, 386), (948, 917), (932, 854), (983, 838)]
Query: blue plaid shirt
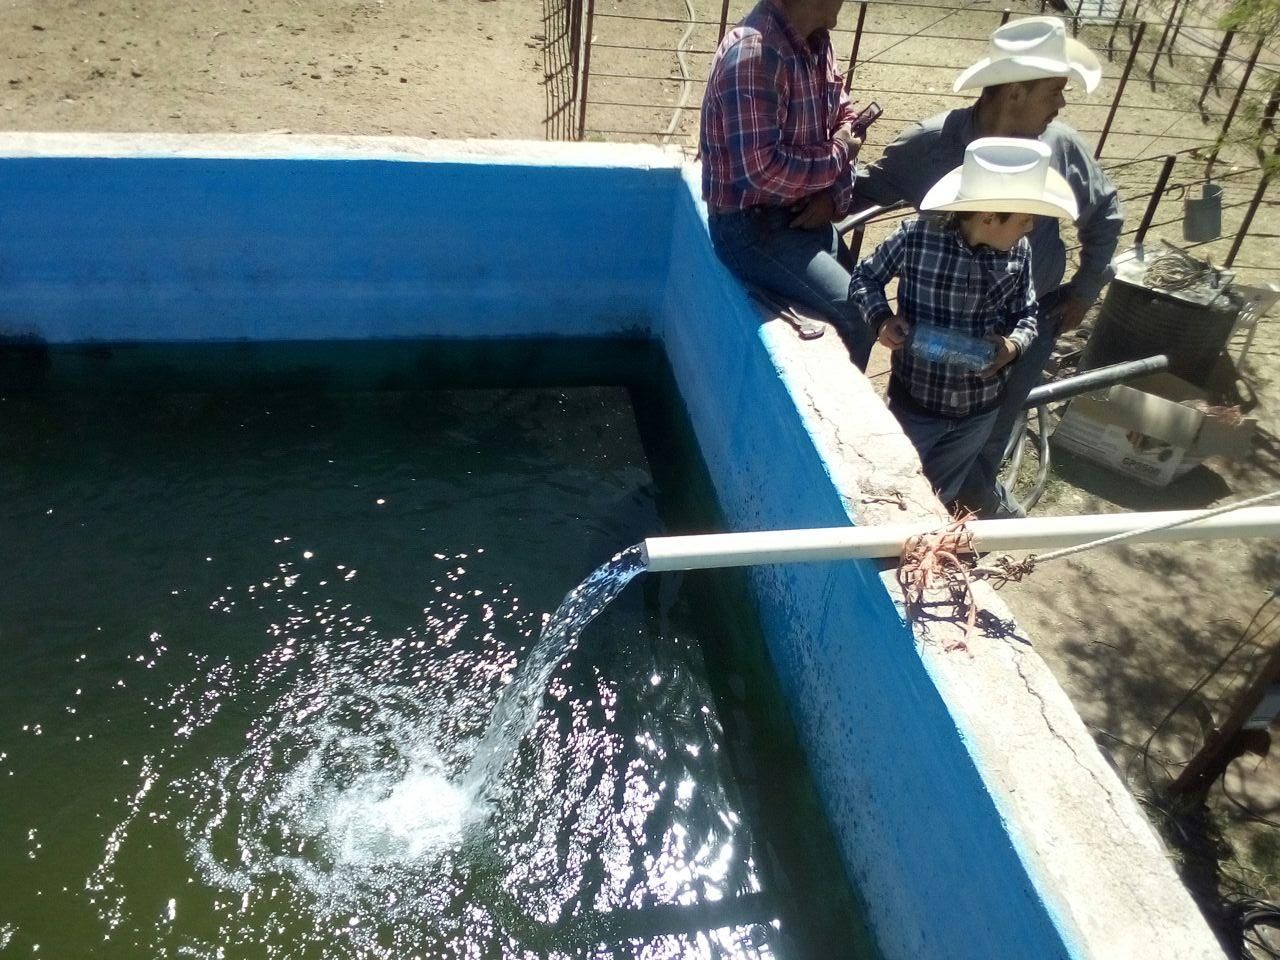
[(945, 282)]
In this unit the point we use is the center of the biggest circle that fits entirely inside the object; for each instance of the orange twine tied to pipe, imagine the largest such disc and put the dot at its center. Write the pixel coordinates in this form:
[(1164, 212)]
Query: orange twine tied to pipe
[(931, 561)]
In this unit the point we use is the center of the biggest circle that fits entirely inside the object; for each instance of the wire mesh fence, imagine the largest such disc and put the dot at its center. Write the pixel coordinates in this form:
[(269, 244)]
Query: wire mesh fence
[(1174, 84), (561, 22)]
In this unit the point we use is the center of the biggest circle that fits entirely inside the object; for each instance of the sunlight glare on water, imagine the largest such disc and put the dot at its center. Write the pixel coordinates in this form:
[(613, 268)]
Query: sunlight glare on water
[(346, 782), (353, 809)]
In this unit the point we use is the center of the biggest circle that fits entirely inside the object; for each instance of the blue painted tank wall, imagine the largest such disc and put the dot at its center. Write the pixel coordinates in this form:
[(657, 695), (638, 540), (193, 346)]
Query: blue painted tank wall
[(921, 836), (212, 249), (187, 249)]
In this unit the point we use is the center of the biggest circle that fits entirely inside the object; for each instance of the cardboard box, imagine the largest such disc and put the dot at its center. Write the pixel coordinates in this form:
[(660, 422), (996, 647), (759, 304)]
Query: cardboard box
[(1154, 429)]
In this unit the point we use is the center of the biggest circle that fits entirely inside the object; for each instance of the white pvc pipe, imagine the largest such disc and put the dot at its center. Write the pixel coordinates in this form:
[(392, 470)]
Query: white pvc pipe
[(1033, 533)]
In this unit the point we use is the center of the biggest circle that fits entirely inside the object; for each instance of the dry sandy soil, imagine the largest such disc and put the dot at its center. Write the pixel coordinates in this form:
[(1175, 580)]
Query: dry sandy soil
[(1126, 631), (449, 68)]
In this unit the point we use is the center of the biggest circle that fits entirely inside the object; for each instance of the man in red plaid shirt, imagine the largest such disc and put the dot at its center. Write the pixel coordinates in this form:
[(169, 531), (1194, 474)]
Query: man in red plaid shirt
[(778, 159)]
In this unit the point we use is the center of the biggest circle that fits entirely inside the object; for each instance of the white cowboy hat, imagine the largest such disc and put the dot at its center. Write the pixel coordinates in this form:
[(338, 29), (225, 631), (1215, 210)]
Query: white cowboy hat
[(1004, 175), (1032, 48)]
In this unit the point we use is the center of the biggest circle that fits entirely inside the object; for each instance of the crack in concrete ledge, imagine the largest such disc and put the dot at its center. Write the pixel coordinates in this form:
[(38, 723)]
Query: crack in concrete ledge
[(1058, 735)]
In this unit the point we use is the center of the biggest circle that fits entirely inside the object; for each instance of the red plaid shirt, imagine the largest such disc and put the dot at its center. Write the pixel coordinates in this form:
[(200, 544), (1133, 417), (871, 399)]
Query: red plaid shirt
[(773, 102)]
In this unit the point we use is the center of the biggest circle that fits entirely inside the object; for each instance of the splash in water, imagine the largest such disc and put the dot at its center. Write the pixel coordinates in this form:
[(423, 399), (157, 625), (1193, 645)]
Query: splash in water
[(357, 782), (344, 792)]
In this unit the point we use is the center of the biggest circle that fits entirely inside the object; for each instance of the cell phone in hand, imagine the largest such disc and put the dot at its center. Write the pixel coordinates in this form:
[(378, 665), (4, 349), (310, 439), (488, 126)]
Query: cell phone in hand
[(869, 115)]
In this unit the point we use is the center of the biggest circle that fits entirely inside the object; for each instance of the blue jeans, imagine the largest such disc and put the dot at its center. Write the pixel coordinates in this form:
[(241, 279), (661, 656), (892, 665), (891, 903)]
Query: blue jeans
[(982, 490), (947, 447), (763, 250)]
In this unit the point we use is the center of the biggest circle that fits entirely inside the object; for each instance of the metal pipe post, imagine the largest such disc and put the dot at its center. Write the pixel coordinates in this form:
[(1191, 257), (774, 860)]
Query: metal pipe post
[(724, 21), (586, 68), (1268, 117), (1155, 60), (1156, 195), (1111, 40), (1004, 17), (857, 42), (1247, 222), (1212, 79), (575, 43), (1177, 29), (1124, 79), (1235, 105), (1133, 17)]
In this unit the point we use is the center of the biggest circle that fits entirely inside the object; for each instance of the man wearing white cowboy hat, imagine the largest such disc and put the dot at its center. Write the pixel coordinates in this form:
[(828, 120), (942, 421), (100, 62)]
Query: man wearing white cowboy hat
[(1028, 65), (966, 300)]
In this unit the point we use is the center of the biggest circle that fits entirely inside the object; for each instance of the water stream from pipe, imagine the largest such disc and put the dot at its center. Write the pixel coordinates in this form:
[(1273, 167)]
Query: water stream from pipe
[(517, 708)]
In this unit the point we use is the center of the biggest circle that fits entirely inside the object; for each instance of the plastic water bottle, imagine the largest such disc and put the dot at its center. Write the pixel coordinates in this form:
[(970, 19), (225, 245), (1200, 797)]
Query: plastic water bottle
[(940, 345)]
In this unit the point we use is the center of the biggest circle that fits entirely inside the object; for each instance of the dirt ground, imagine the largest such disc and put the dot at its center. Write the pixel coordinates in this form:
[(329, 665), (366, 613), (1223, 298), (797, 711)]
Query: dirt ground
[(448, 68), (1126, 631)]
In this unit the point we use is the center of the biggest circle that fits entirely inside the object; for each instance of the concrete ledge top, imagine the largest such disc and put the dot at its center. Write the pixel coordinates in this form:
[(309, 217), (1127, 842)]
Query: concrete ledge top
[(284, 146)]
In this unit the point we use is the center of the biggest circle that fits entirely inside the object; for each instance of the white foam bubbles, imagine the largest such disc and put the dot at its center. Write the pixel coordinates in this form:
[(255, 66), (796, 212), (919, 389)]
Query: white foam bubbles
[(397, 819)]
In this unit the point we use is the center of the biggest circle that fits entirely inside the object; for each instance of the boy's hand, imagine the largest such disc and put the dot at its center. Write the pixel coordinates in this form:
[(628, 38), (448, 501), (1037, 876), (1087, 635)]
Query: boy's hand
[(1006, 352), (894, 332)]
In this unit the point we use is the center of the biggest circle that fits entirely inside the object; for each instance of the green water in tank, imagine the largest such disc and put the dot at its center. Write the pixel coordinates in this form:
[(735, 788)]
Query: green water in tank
[(256, 609)]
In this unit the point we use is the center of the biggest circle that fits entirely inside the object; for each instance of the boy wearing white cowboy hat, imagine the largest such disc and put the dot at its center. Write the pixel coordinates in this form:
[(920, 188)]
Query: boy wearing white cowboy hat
[(966, 299), (1028, 64)]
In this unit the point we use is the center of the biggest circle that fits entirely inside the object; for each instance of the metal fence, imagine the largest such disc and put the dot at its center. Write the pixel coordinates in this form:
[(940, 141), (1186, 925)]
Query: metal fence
[(561, 49), (1174, 86)]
